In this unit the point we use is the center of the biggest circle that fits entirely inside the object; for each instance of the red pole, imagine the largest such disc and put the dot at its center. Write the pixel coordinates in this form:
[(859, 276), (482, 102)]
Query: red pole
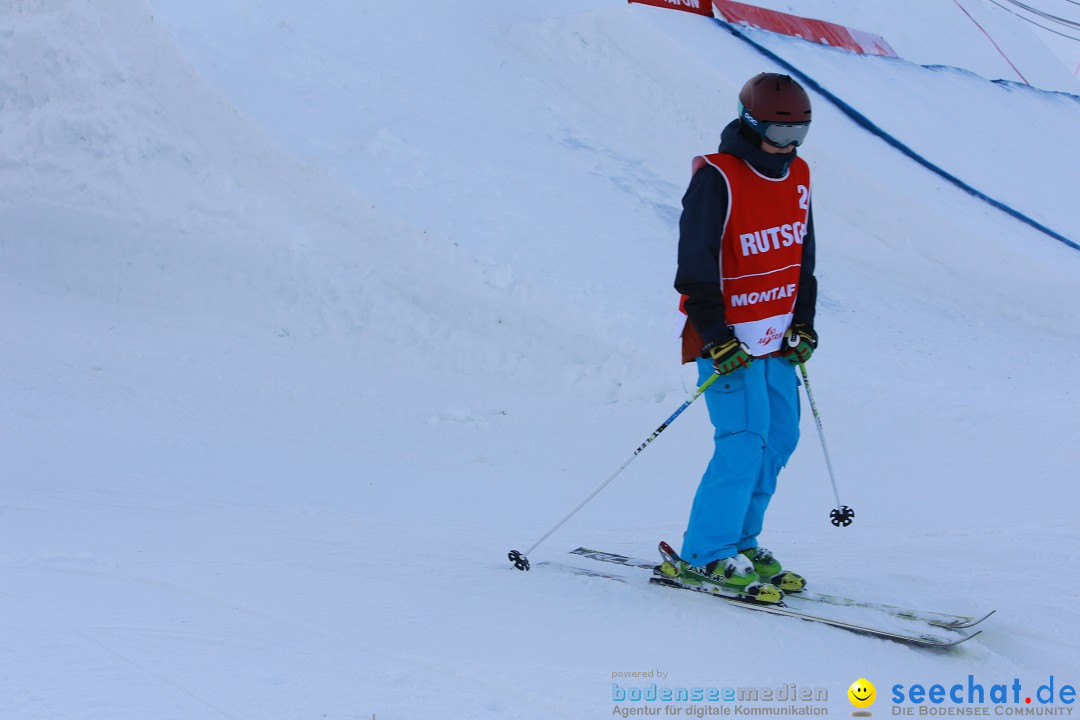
[(992, 42)]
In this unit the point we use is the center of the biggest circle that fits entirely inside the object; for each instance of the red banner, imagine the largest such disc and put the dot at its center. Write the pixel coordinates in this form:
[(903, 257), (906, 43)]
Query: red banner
[(698, 7), (819, 31)]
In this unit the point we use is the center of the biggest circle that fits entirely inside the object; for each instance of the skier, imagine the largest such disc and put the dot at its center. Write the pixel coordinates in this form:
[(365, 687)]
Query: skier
[(746, 275)]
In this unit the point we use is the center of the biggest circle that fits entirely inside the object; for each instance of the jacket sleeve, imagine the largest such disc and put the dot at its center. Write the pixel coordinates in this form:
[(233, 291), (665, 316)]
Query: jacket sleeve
[(806, 302), (701, 228)]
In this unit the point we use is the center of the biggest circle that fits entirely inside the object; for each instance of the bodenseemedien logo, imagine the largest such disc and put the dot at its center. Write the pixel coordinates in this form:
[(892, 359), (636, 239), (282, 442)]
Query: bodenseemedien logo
[(862, 695), (784, 701)]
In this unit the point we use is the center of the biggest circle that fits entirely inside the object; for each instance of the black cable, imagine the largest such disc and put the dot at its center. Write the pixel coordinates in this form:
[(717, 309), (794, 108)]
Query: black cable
[(1027, 19), (1045, 15)]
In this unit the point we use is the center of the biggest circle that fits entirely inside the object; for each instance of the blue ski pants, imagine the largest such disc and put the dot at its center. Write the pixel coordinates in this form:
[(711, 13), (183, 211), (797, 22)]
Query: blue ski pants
[(755, 414)]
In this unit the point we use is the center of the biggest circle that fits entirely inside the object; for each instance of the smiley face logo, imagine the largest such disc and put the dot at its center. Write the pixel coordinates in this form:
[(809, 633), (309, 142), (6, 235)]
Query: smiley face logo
[(862, 693)]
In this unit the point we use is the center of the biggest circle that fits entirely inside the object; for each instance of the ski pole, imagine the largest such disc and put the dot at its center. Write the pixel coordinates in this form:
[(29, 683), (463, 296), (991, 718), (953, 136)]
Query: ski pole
[(841, 515), (521, 562)]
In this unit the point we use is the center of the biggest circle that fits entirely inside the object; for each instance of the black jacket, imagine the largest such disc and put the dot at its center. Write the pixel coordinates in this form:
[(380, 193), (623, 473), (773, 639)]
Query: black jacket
[(702, 226)]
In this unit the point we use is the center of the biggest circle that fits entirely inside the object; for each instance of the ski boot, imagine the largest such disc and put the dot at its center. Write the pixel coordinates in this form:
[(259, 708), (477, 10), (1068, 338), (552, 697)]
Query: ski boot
[(767, 566), (733, 575)]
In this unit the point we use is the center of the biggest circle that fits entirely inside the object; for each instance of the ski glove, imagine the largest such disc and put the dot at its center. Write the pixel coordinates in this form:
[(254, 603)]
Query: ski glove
[(800, 342), (727, 355)]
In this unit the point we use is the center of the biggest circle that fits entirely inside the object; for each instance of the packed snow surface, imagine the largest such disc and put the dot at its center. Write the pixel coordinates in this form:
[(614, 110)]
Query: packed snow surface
[(316, 309)]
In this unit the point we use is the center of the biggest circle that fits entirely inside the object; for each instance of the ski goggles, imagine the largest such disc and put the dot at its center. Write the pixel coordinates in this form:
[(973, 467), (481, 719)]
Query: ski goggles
[(777, 134)]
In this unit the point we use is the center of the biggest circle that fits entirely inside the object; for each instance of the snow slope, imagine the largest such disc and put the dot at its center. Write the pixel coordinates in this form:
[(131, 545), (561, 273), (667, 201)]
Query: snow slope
[(977, 35), (316, 310)]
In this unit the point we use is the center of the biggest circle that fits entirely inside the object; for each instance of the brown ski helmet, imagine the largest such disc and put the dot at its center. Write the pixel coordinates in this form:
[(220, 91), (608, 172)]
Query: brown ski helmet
[(770, 102), (772, 97)]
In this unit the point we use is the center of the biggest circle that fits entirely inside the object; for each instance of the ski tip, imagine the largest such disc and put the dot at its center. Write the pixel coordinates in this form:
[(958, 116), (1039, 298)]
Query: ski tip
[(943, 644), (968, 621), (965, 638)]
